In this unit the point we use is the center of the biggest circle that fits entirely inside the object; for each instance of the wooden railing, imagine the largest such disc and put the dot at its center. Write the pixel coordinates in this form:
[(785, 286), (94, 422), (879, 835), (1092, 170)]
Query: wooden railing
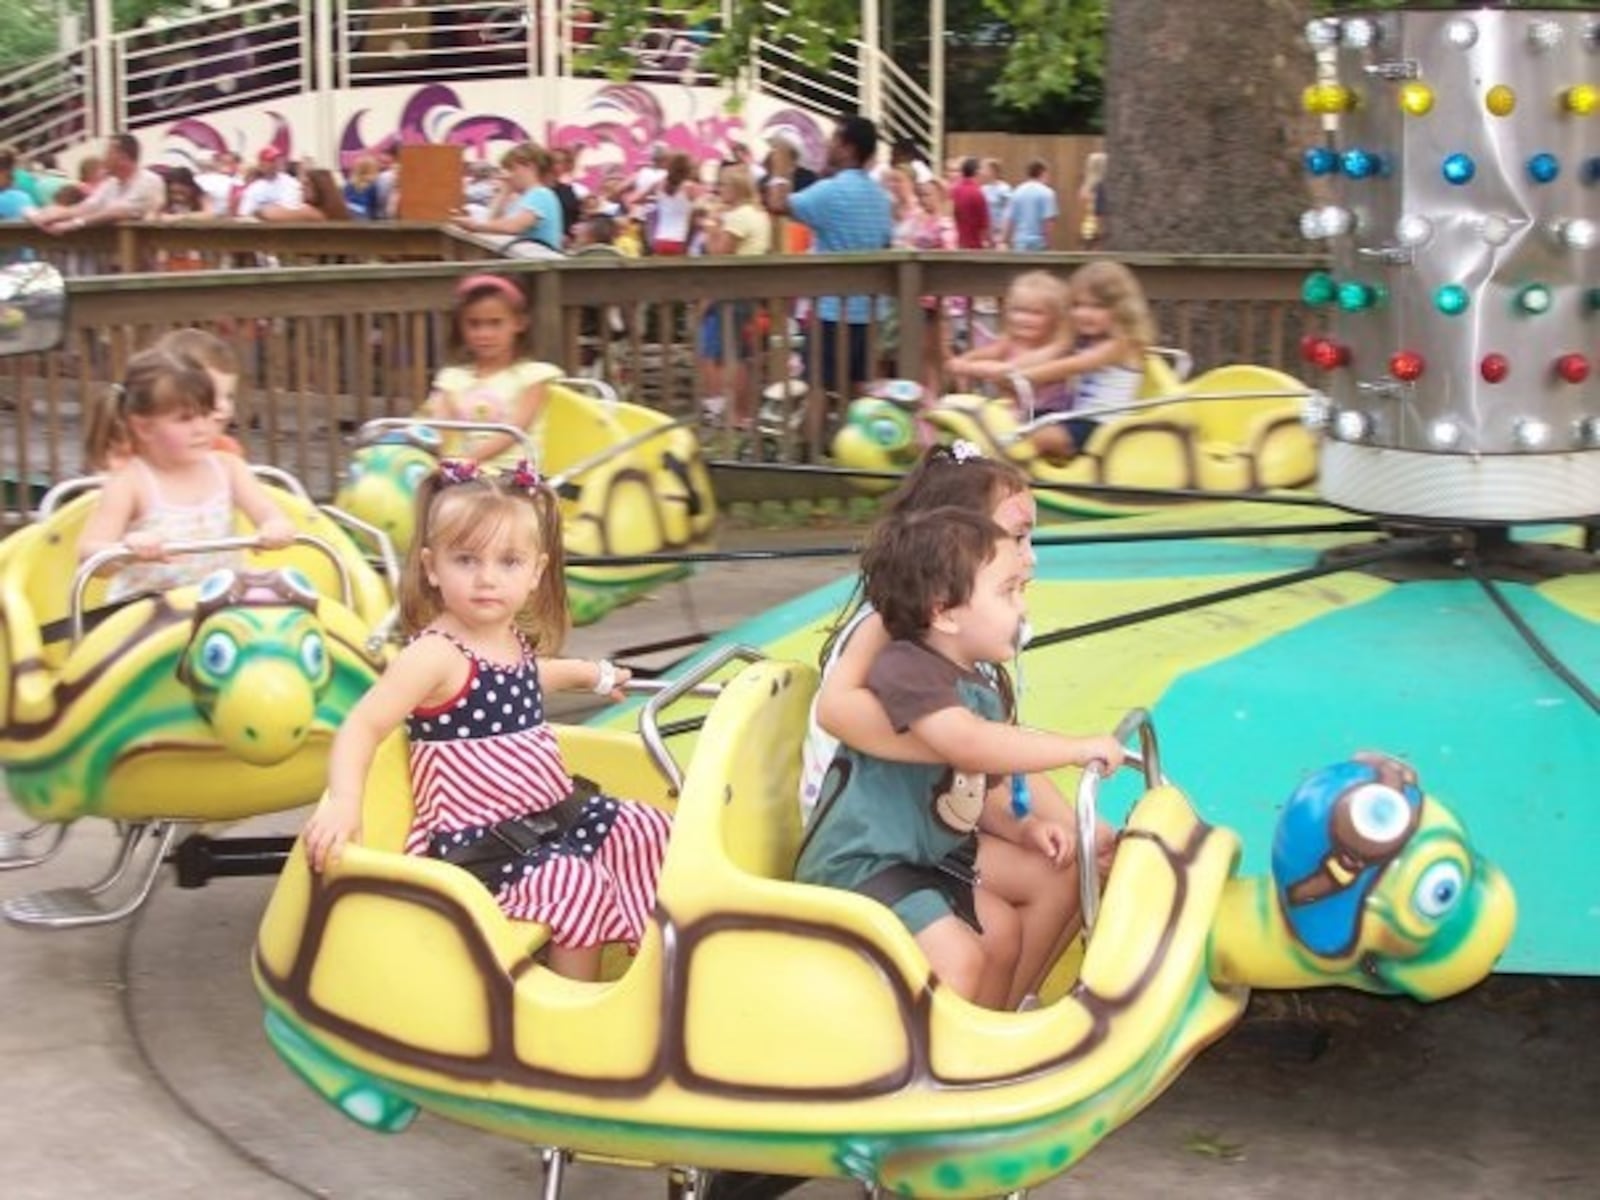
[(325, 348)]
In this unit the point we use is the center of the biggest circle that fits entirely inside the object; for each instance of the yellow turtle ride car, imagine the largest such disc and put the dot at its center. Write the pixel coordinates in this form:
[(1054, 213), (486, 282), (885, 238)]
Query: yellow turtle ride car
[(207, 703), (770, 1026), (631, 481)]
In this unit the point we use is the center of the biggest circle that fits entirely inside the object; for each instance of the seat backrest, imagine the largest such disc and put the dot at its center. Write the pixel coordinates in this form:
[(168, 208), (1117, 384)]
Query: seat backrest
[(740, 803), (1231, 421), (1159, 379)]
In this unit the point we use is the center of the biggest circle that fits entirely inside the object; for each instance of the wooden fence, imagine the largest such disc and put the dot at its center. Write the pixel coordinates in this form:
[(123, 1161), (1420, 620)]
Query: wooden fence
[(1064, 154), (325, 348)]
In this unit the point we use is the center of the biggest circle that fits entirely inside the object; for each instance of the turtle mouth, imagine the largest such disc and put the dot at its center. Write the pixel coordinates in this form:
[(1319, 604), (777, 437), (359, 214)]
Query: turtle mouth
[(197, 748)]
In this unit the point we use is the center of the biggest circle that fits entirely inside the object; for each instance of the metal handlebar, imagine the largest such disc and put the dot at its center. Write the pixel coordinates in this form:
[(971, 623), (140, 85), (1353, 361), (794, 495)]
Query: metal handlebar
[(282, 478), (599, 389), (67, 488), (1149, 761), (379, 424), (649, 722), (601, 457), (98, 561), (1112, 410)]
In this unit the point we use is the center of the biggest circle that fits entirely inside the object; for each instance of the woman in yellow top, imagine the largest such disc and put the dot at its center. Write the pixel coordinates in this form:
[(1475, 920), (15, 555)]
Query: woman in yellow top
[(493, 380), (735, 225)]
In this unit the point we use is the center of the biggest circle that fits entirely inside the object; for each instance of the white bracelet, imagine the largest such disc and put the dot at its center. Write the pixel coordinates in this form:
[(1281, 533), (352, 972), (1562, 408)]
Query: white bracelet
[(607, 681)]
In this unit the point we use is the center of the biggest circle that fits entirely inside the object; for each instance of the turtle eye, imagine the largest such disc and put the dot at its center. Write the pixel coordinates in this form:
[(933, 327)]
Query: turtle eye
[(299, 584), (426, 436), (413, 475), (215, 586), (1379, 816), (313, 655), (219, 653), (358, 468), (1439, 890)]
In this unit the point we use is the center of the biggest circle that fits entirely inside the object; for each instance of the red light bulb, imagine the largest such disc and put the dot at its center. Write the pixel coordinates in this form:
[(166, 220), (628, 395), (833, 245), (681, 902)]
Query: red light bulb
[(1494, 368), (1308, 347), (1330, 355), (1573, 368), (1406, 365)]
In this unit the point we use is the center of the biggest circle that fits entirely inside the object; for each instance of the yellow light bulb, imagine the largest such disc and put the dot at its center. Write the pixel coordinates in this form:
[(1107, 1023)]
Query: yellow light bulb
[(1416, 98), (1582, 99), (1500, 100), (1327, 98)]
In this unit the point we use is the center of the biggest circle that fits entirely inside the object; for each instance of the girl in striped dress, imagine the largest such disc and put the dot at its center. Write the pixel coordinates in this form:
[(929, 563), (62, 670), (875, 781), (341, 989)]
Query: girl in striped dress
[(484, 596)]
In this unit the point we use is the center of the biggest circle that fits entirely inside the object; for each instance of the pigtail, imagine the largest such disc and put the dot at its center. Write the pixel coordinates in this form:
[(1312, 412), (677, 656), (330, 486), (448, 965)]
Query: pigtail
[(544, 620), (420, 602), (105, 431)]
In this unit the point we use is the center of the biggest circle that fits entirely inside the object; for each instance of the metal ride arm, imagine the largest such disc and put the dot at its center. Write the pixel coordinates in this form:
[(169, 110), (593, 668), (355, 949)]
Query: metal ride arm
[(650, 716), (597, 389), (95, 563), (1148, 760), (600, 457), (68, 488), (1132, 406)]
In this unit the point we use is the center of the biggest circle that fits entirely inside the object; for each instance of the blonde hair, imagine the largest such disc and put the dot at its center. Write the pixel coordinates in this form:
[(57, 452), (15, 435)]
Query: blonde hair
[(471, 515), (1051, 289), (528, 154), (1111, 285), (736, 186), (204, 347), (158, 381)]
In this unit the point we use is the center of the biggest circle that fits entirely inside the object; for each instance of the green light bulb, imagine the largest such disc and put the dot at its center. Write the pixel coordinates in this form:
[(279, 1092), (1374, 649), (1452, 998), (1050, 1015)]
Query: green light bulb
[(1319, 289), (1452, 299), (1534, 299), (1355, 296)]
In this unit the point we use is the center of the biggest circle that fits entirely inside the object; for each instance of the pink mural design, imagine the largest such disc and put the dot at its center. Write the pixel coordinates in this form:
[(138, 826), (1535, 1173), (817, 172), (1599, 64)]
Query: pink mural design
[(619, 127)]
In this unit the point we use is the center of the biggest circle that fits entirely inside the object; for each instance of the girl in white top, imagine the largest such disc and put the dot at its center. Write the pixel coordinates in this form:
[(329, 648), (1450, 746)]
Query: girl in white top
[(497, 382), (173, 486)]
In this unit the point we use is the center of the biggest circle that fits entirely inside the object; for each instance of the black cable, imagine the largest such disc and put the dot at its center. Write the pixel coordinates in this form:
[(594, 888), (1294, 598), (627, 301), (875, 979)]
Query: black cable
[(1392, 549), (671, 558), (1534, 641), (1087, 489)]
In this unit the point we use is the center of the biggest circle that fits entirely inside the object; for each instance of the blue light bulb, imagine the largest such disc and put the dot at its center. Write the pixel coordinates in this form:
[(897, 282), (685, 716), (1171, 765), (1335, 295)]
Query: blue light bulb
[(1543, 168), (1591, 171), (1320, 160), (1459, 169), (1358, 164)]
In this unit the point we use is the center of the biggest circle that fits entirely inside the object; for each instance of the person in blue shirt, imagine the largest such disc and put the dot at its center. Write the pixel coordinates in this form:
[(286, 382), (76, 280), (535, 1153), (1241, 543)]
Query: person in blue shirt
[(1031, 221), (847, 211), (532, 212)]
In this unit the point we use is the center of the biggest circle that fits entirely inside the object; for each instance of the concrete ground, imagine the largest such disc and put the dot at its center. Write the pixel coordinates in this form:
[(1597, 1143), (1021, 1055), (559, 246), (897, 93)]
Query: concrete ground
[(132, 1062)]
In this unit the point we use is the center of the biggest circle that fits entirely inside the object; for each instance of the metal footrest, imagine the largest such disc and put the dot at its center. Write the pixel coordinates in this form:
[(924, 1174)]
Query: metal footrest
[(30, 847), (103, 902)]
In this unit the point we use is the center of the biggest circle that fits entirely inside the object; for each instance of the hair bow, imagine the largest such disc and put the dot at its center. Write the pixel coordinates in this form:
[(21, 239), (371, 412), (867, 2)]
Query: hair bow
[(964, 451), (458, 470), (526, 476)]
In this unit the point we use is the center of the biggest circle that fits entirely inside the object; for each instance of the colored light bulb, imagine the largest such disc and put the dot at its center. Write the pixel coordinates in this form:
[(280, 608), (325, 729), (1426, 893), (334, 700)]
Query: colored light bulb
[(1494, 368), (1407, 365), (1544, 167), (1545, 35), (1452, 299), (1581, 99), (1572, 368), (1328, 99), (1580, 233), (1500, 100), (1416, 98), (1352, 426), (1329, 355), (1461, 33), (1355, 296), (1358, 163), (1358, 33), (1459, 169), (1320, 160), (1534, 300), (1445, 433), (1322, 33), (1530, 433), (1495, 230), (1591, 170), (1413, 229), (1308, 346), (1319, 289)]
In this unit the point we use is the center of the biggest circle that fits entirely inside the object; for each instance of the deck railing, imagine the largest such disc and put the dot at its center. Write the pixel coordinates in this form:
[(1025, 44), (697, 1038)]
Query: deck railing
[(325, 349)]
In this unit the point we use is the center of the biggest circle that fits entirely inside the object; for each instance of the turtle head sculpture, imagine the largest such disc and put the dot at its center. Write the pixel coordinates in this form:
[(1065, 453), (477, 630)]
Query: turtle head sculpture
[(381, 484)]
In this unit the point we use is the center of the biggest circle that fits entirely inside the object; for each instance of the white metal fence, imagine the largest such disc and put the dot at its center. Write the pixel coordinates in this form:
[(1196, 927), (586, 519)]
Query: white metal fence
[(259, 50)]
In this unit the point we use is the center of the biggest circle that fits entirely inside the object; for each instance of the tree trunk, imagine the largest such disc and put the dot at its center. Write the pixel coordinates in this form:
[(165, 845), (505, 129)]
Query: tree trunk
[(1204, 126)]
